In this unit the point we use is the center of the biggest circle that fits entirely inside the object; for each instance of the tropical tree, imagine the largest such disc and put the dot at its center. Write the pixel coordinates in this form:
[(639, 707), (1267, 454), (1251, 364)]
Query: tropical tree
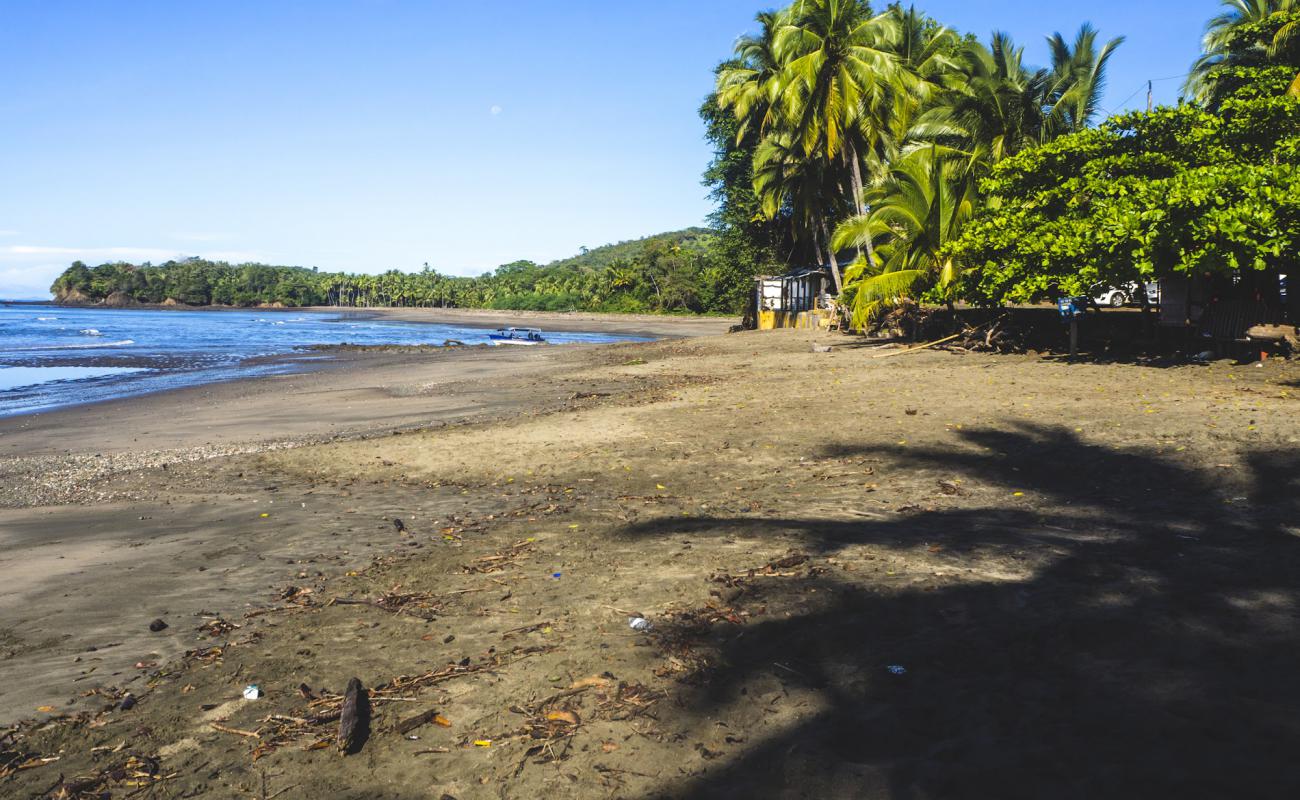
[(1248, 33), (998, 110), (786, 180), (1145, 196), (1077, 79), (835, 64), (917, 212), (747, 85)]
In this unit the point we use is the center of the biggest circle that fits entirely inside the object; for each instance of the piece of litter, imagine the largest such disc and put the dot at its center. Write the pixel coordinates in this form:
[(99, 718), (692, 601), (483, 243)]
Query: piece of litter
[(556, 574), (639, 624), (896, 669), (252, 691), (482, 742)]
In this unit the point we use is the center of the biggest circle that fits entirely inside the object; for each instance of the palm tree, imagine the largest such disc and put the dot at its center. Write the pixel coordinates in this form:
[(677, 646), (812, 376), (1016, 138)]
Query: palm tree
[(1078, 78), (997, 111), (786, 180), (747, 84), (916, 212), (1222, 48), (835, 62), (924, 53)]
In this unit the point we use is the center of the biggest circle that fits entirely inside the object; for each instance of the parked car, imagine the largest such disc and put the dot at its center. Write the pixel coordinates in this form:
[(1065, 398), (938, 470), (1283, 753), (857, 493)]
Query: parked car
[(1112, 296), (1120, 296)]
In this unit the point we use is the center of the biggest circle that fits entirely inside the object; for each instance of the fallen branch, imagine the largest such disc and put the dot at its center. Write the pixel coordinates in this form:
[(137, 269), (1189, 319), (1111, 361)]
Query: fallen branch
[(919, 347), (236, 731)]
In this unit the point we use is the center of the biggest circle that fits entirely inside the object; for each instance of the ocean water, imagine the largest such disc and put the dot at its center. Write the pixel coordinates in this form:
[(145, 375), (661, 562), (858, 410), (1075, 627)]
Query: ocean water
[(52, 357)]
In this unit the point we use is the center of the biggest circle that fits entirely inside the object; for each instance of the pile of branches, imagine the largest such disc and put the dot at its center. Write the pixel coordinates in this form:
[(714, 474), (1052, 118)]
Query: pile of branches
[(918, 323)]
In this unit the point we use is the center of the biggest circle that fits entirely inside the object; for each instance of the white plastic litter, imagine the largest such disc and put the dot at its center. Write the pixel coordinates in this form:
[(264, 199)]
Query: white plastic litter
[(252, 691), (639, 624)]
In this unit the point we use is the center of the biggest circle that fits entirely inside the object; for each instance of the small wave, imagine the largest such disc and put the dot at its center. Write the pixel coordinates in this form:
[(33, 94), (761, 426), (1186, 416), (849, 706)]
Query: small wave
[(89, 332), (46, 319), (122, 343)]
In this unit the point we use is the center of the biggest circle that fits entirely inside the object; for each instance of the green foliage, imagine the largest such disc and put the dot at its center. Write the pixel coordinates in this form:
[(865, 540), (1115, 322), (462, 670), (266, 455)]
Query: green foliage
[(1248, 34), (680, 271), (916, 212), (1144, 196), (829, 103)]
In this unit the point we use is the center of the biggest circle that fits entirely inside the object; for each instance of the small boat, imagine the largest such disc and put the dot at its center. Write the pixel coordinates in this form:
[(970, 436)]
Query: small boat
[(525, 336)]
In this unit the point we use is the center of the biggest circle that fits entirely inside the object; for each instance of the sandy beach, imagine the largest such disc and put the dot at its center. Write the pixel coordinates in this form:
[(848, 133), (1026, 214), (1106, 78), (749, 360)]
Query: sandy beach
[(1065, 573)]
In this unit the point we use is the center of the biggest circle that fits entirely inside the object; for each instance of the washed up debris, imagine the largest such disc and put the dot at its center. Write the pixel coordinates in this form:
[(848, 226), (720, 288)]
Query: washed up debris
[(496, 562), (419, 720), (252, 692), (821, 348), (896, 669), (399, 525), (157, 625), (639, 624), (354, 719), (416, 604)]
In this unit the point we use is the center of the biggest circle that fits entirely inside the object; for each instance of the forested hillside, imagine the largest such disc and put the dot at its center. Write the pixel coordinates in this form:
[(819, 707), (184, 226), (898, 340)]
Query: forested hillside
[(677, 271)]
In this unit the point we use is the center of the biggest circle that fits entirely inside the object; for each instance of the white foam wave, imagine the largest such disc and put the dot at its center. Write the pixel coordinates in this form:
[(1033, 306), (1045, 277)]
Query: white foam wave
[(96, 345), (46, 319), (89, 332)]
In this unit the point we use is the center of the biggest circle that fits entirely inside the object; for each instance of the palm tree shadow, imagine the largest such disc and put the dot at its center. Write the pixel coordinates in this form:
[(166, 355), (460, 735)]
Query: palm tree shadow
[(1149, 649)]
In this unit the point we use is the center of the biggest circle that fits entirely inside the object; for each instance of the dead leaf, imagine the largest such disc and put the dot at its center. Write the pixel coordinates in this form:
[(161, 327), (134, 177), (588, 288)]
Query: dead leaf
[(563, 716), (608, 747)]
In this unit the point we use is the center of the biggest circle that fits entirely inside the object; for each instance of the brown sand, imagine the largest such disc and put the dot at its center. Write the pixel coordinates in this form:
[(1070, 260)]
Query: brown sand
[(1088, 574)]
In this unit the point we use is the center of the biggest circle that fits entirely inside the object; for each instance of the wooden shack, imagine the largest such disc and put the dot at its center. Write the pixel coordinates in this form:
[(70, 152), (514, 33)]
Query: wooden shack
[(800, 298)]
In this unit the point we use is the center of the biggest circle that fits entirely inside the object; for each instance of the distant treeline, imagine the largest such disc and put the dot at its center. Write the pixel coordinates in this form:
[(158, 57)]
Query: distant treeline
[(679, 271)]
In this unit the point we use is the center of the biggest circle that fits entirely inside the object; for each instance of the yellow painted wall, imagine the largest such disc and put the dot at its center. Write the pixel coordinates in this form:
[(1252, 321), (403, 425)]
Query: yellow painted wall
[(808, 320)]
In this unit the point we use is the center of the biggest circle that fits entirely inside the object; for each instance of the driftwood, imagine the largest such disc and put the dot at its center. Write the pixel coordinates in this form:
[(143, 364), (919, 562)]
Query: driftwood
[(407, 725), (354, 721)]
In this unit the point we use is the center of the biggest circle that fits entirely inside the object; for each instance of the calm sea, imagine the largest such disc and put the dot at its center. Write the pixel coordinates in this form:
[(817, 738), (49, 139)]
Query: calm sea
[(52, 357)]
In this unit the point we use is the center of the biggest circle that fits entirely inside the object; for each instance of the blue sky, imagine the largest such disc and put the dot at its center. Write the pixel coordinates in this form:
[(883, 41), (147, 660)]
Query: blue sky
[(375, 134)]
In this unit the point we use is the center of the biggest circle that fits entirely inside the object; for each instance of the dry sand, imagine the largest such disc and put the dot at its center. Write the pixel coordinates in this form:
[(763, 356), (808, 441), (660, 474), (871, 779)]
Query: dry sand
[(1086, 573)]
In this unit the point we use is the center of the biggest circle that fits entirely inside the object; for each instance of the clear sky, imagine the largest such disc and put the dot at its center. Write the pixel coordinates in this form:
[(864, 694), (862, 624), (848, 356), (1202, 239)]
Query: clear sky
[(374, 134)]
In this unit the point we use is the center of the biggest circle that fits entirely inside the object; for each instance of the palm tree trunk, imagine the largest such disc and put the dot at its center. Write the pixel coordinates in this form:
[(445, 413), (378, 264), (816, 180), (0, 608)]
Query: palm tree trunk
[(859, 201), (830, 255)]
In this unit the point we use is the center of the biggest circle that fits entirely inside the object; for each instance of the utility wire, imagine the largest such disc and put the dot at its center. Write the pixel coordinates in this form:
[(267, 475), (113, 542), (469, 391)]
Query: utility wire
[(1140, 88)]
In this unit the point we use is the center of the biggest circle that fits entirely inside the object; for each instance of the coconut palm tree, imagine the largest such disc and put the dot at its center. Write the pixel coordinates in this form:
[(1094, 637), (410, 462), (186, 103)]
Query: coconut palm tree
[(747, 84), (997, 111), (919, 209), (926, 65), (1078, 78), (1222, 47), (786, 180), (835, 62)]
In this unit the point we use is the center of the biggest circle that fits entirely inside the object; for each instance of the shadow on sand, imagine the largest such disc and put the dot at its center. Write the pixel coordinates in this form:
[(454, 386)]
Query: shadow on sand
[(1152, 653)]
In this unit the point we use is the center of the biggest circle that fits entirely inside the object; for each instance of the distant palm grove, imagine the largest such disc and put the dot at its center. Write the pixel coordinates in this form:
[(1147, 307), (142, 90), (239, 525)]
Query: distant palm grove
[(917, 163)]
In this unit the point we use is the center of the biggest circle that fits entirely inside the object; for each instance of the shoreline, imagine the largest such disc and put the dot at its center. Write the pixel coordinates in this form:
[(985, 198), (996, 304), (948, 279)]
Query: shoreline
[(309, 358), (649, 325)]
